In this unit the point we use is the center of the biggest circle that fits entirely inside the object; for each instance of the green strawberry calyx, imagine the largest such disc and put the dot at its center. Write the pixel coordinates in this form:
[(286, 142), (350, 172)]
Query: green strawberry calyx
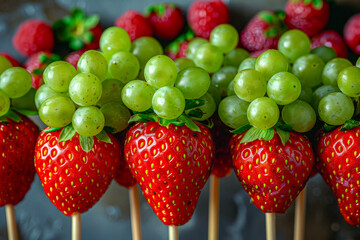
[(317, 4), (13, 114), (159, 9), (348, 125), (45, 60), (275, 22), (174, 46)]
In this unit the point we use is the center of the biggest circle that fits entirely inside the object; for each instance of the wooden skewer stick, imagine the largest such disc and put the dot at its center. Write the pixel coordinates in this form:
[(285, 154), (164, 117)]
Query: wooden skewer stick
[(11, 222), (135, 213), (173, 232), (213, 230), (76, 226), (300, 209), (270, 226)]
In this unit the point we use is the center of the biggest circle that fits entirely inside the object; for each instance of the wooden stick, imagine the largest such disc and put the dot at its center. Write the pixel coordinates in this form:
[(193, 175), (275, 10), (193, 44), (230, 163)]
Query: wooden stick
[(76, 226), (270, 226), (173, 232), (300, 209), (11, 222), (135, 213), (213, 230)]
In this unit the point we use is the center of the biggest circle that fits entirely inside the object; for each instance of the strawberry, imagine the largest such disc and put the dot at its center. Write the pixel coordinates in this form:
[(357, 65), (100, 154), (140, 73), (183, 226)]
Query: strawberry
[(14, 62), (257, 53), (204, 16), (272, 172), (36, 65), (330, 38), (171, 164), (33, 36), (177, 48), (18, 138), (310, 16), (74, 57), (166, 19), (135, 24), (75, 176), (352, 33), (263, 31)]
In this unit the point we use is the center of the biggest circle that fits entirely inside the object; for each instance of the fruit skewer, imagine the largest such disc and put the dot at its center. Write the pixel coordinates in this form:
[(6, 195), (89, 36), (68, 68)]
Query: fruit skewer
[(300, 213), (76, 226), (11, 222), (213, 228), (135, 213), (270, 219)]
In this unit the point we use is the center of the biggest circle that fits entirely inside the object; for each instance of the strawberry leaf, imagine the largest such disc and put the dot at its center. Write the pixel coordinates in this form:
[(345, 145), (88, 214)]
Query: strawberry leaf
[(242, 129), (91, 21), (67, 133), (329, 128), (350, 124), (317, 4), (76, 43), (109, 129), (283, 134), (102, 136), (195, 113), (11, 115), (189, 123), (26, 112), (86, 143), (283, 126), (193, 103), (267, 16), (167, 122), (143, 118), (254, 133), (209, 123), (51, 129)]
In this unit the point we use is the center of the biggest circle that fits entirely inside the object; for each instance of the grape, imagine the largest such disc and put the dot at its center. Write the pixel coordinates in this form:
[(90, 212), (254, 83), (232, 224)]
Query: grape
[(137, 95), (326, 53), (247, 63), (270, 62), (230, 90), (284, 88), (111, 91), (225, 37), (321, 92), (249, 84), (113, 40), (93, 62), (43, 93), (308, 69), (85, 89), (182, 63), (124, 66), (15, 82), (193, 82), (306, 94), (4, 103), (336, 108), (57, 75), (168, 102), (233, 112), (235, 57), (160, 71), (4, 64), (263, 113), (208, 57), (116, 115), (57, 111), (193, 46), (88, 121), (293, 44), (300, 115), (358, 63), (349, 81), (222, 78), (332, 70), (207, 109), (215, 93), (25, 102)]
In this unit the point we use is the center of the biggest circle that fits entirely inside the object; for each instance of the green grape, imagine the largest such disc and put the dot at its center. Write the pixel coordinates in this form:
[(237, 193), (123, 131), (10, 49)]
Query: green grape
[(193, 82), (300, 115), (193, 46), (113, 40), (43, 93), (308, 69), (58, 75), (293, 44), (137, 95), (336, 108), (225, 37), (57, 111), (85, 89), (235, 57), (182, 63), (111, 91), (249, 84), (332, 70), (88, 121), (284, 88), (168, 102), (215, 93), (271, 62), (233, 112), (349, 81), (15, 82), (116, 115), (247, 63), (263, 113), (326, 53), (25, 102), (207, 109), (208, 57), (358, 63), (321, 92), (306, 94), (4, 64), (124, 66), (160, 71), (94, 62), (222, 78), (4, 103), (230, 90)]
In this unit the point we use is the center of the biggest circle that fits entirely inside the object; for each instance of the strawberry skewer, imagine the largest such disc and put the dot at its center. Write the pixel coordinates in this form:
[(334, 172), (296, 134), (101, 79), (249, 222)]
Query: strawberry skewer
[(135, 213), (76, 226), (214, 207), (300, 210), (11, 222), (270, 226)]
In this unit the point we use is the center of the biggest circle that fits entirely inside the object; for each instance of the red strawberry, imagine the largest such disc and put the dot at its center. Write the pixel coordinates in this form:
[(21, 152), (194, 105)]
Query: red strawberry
[(204, 16), (257, 53), (178, 50), (74, 57), (17, 146), (352, 33), (36, 65), (96, 34), (309, 16), (330, 38), (166, 19), (171, 165), (33, 36), (263, 31), (74, 180), (14, 62), (272, 174), (339, 166), (135, 24)]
